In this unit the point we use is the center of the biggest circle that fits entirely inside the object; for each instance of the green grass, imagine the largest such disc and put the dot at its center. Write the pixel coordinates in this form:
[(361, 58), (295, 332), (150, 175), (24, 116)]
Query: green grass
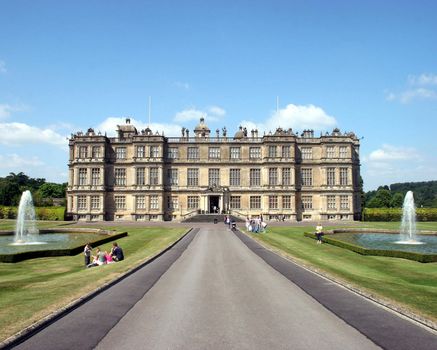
[(9, 224), (32, 289), (409, 284)]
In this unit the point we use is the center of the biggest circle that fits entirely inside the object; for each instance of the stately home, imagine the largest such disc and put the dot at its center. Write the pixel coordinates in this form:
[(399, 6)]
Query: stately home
[(145, 176)]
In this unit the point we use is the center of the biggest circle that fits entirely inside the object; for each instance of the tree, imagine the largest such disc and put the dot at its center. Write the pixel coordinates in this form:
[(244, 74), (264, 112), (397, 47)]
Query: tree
[(397, 200), (382, 199), (52, 190)]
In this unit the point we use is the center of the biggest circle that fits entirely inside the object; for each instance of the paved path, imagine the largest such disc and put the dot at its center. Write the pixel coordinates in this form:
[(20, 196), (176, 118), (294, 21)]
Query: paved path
[(218, 294)]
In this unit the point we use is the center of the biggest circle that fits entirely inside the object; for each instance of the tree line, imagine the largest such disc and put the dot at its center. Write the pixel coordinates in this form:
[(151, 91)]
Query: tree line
[(425, 195), (43, 193)]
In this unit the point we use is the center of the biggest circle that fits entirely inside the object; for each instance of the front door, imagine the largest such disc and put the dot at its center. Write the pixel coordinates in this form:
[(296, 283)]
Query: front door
[(214, 204)]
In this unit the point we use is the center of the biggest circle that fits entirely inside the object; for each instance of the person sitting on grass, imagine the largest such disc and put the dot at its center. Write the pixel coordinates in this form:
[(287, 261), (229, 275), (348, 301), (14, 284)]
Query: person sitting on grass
[(99, 259), (108, 258), (117, 252)]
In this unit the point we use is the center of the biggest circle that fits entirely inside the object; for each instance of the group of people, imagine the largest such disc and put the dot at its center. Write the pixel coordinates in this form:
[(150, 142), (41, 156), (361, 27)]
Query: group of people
[(256, 224), (102, 257)]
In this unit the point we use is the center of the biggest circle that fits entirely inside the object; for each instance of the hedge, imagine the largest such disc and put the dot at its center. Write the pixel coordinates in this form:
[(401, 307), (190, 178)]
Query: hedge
[(42, 213), (423, 258), (395, 214)]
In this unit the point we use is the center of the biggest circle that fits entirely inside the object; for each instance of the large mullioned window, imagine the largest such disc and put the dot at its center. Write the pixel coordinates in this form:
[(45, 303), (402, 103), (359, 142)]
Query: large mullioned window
[(234, 177), (307, 177)]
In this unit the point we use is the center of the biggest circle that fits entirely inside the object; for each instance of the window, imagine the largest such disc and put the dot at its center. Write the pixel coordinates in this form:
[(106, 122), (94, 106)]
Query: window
[(154, 151), (286, 202), (307, 177), (331, 202), (307, 202), (330, 152), (95, 202), (272, 151), (255, 152), (172, 175), (214, 152), (172, 202), (286, 176), (173, 153), (273, 202), (255, 202), (330, 176), (285, 152), (140, 202), (81, 202), (343, 152), (343, 177), (141, 176), (82, 176), (213, 177), (120, 177), (153, 176), (193, 153), (235, 152), (96, 152), (193, 202), (154, 202), (120, 152), (273, 176), (83, 152), (344, 202), (120, 202), (95, 176), (307, 153), (235, 202), (140, 151), (192, 177), (255, 177), (234, 177)]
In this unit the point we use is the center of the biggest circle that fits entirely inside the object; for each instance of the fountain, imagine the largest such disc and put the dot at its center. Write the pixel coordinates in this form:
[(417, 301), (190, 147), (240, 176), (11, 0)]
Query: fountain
[(27, 242), (408, 224), (26, 231)]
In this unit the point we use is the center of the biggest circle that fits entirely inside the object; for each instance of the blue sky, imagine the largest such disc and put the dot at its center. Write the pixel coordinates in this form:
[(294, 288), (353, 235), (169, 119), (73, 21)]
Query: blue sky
[(364, 66)]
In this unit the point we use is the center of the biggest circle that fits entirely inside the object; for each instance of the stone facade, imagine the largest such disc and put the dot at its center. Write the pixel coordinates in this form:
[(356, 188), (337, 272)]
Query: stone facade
[(141, 175)]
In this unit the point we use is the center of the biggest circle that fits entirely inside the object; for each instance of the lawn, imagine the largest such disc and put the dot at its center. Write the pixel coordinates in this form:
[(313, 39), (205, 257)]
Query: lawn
[(32, 289), (408, 284)]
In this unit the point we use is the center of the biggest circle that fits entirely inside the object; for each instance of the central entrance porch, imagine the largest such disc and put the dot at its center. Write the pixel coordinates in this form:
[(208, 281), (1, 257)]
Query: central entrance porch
[(214, 204)]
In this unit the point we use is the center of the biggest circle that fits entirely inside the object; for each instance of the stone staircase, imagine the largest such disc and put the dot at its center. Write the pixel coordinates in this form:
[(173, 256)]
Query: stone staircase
[(210, 218)]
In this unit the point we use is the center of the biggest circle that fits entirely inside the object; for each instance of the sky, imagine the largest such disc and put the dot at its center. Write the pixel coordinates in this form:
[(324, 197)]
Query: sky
[(369, 67)]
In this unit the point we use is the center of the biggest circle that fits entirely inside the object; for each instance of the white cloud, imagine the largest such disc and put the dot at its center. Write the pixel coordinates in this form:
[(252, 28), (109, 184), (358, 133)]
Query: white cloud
[(14, 162), (18, 134), (6, 110), (217, 111), (188, 115), (3, 69), (109, 126), (392, 164), (297, 117), (421, 87), (392, 153), (413, 94), (423, 79), (212, 114), (182, 85)]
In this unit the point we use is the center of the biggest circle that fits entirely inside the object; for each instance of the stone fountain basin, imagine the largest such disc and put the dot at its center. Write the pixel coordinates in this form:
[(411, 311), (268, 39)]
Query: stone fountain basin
[(379, 242), (54, 242)]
